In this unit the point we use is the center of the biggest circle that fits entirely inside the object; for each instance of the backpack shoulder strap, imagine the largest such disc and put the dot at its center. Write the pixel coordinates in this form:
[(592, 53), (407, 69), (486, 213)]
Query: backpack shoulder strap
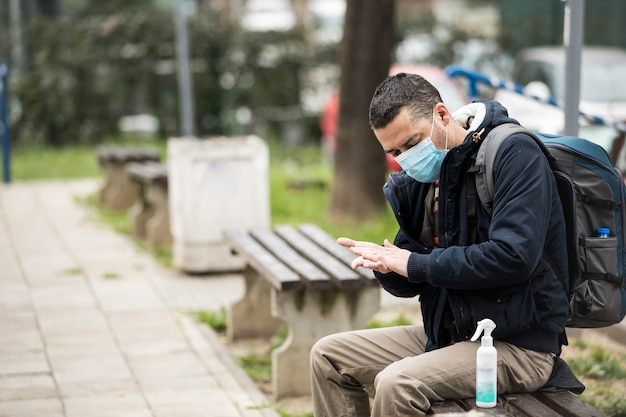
[(486, 157), (484, 180)]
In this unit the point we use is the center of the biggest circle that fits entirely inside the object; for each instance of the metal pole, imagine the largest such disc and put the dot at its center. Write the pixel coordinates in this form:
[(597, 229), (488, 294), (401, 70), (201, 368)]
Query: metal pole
[(15, 15), (4, 119), (235, 11), (185, 86), (573, 29)]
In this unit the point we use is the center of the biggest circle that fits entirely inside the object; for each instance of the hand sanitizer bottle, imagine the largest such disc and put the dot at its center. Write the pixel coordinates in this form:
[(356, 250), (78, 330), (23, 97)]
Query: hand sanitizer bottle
[(486, 366)]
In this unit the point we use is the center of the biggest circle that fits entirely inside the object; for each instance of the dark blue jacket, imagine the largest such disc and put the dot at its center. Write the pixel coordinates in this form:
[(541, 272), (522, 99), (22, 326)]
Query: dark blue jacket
[(501, 271)]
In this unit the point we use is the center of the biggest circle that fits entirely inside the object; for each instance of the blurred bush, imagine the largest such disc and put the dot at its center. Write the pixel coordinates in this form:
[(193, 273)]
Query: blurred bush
[(83, 75)]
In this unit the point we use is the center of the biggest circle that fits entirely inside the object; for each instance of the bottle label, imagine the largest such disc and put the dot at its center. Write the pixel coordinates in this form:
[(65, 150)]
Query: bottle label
[(486, 385)]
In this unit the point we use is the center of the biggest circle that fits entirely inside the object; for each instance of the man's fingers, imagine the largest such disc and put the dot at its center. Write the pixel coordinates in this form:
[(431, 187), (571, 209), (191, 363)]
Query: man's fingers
[(369, 255), (388, 244), (350, 243), (368, 264), (369, 252), (357, 262), (346, 241)]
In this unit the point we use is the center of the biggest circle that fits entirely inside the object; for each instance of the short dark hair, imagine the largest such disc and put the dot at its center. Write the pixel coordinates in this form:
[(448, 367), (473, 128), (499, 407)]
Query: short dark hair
[(399, 91)]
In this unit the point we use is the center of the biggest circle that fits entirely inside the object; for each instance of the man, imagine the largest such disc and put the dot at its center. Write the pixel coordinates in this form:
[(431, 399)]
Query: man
[(499, 266)]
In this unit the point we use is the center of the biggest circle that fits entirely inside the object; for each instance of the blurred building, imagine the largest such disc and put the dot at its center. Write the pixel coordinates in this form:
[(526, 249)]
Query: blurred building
[(540, 22)]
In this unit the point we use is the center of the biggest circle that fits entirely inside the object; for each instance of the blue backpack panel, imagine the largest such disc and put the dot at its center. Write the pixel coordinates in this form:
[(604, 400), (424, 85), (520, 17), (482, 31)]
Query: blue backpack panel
[(592, 194)]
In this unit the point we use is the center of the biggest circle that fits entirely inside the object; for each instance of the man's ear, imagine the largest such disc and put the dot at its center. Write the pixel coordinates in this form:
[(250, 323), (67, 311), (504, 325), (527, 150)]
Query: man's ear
[(442, 111)]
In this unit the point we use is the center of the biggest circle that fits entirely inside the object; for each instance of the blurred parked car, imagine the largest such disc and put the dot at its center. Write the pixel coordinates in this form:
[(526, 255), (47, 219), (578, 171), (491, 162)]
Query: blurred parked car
[(452, 93), (541, 70)]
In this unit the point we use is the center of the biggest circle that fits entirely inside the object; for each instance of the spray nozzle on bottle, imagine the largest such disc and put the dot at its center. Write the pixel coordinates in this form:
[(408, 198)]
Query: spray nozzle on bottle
[(488, 326)]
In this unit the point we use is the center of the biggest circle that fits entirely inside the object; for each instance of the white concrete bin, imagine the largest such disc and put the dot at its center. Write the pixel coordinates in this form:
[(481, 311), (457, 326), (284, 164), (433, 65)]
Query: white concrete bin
[(215, 184)]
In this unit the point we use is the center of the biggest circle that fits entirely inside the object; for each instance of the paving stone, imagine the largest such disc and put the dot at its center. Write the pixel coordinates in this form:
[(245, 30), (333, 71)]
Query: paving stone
[(113, 405), (168, 366), (195, 410), (11, 269), (38, 407), (190, 382), (160, 347), (89, 367), (88, 388), (208, 394), (63, 295), (68, 344), (138, 319), (14, 296), (66, 319), (19, 331), (16, 361), (27, 386), (123, 294)]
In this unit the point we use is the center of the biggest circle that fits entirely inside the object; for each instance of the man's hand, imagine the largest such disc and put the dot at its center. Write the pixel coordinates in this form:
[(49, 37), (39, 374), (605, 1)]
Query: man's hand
[(383, 259)]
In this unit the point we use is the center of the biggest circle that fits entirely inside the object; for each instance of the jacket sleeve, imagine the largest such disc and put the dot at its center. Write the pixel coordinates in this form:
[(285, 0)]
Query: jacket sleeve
[(525, 198)]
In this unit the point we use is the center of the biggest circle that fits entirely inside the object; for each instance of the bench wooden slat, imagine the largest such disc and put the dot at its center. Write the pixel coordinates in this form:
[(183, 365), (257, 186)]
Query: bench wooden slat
[(529, 406), (446, 407), (567, 404), (147, 171), (277, 274), (320, 237), (540, 403), (126, 154), (311, 274), (343, 276), (498, 410), (134, 154)]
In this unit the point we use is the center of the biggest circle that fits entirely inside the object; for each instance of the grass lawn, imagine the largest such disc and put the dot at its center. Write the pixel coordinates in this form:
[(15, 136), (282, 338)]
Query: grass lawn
[(36, 163), (300, 183)]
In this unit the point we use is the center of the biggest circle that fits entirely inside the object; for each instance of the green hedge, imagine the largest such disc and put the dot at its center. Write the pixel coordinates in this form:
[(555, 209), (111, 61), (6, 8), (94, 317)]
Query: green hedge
[(83, 75)]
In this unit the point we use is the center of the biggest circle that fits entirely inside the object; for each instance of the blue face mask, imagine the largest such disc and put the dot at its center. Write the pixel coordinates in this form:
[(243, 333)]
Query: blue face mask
[(423, 161)]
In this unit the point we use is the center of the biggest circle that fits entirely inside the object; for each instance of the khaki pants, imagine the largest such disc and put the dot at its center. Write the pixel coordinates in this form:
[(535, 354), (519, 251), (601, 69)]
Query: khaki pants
[(391, 364)]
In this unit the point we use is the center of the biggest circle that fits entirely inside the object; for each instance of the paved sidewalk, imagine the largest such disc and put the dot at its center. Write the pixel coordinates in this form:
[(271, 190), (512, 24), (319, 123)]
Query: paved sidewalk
[(92, 327)]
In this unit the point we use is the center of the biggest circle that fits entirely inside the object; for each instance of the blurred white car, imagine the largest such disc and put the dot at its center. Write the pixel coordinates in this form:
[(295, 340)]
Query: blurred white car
[(268, 15), (541, 70), (327, 18)]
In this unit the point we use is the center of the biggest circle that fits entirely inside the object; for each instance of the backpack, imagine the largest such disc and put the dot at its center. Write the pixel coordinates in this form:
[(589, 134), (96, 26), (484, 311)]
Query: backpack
[(592, 193)]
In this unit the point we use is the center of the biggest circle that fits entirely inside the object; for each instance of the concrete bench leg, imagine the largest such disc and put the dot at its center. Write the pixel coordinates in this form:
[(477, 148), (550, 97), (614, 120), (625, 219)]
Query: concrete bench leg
[(251, 316), (158, 226), (123, 193), (310, 315), (107, 185), (138, 214)]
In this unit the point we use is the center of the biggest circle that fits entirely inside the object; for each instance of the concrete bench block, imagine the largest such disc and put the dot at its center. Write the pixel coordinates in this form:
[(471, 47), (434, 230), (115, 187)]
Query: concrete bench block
[(117, 191)]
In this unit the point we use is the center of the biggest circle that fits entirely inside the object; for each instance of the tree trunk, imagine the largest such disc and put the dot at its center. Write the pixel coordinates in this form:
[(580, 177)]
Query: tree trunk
[(365, 59)]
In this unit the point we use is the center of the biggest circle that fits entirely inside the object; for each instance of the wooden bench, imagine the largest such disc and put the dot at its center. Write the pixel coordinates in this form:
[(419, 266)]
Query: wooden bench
[(299, 276), (150, 216), (117, 192), (537, 404)]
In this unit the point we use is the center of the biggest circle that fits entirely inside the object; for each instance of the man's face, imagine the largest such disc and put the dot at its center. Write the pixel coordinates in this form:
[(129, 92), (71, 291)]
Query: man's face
[(403, 133)]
